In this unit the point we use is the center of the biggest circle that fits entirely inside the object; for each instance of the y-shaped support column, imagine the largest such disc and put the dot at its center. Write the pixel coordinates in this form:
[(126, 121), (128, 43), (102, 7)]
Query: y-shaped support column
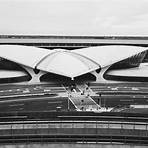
[(99, 76), (35, 77)]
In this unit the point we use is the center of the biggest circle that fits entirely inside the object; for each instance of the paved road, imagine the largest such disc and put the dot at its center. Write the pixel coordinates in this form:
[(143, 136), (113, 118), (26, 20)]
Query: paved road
[(47, 97), (120, 94)]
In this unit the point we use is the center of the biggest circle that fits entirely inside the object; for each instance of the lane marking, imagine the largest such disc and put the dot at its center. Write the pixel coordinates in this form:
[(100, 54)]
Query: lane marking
[(14, 105)]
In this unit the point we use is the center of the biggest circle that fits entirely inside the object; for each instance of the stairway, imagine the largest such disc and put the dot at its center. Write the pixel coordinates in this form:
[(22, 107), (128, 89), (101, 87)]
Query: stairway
[(83, 102)]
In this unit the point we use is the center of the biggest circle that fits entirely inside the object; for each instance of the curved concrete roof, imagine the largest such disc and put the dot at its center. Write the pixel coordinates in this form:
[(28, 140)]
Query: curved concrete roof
[(25, 55), (68, 63), (141, 71), (108, 55), (11, 74)]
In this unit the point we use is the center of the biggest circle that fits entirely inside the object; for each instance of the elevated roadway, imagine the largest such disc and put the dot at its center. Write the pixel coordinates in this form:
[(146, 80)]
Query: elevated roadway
[(72, 41), (73, 127)]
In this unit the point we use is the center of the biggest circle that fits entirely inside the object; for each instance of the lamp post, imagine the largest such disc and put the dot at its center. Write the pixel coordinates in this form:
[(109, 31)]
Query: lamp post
[(69, 96), (100, 100)]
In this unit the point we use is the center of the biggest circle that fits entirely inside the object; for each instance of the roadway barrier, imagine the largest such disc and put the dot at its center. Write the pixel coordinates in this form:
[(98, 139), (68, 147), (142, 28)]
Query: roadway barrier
[(73, 124), (73, 116), (72, 41), (74, 131)]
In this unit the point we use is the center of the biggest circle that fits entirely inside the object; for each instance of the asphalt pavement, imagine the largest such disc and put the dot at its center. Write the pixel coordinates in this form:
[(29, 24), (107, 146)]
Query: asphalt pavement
[(52, 97)]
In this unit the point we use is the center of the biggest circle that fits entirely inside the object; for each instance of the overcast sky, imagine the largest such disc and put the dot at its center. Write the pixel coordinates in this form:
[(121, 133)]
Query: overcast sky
[(74, 17)]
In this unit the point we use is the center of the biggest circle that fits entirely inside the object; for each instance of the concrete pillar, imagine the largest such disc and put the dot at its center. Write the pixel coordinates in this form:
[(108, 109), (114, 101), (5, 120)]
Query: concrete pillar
[(35, 77), (99, 76)]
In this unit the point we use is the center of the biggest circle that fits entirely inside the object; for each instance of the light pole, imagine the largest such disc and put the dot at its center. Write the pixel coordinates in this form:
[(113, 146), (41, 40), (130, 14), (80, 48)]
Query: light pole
[(69, 95), (100, 100)]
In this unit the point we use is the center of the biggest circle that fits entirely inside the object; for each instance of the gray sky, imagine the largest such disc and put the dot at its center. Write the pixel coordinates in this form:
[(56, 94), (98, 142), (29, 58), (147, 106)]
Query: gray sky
[(74, 17)]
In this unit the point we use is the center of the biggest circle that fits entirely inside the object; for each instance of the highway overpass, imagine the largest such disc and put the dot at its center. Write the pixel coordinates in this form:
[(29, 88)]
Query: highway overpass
[(71, 42), (73, 127)]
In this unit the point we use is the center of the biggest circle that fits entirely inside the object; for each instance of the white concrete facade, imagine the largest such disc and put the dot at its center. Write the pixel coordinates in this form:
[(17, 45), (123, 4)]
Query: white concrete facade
[(68, 63)]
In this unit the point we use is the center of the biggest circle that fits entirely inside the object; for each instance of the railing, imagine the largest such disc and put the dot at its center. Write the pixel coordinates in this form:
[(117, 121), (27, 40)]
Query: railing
[(73, 124), (74, 131)]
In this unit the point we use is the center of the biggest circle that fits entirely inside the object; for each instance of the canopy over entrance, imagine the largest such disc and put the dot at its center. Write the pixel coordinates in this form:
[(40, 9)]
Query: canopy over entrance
[(67, 64)]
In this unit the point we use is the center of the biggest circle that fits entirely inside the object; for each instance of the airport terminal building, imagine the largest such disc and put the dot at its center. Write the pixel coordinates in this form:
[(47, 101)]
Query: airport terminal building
[(110, 63)]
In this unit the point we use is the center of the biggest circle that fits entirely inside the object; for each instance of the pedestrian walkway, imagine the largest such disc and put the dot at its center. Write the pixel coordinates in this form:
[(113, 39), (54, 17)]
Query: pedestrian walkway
[(80, 96), (83, 102)]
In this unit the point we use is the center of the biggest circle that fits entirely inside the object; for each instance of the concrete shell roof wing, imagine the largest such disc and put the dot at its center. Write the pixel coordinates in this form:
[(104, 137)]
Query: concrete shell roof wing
[(67, 63), (108, 55), (25, 55)]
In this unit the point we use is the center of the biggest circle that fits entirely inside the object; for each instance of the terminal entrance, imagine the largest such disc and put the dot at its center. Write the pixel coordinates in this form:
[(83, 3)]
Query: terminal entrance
[(79, 95)]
